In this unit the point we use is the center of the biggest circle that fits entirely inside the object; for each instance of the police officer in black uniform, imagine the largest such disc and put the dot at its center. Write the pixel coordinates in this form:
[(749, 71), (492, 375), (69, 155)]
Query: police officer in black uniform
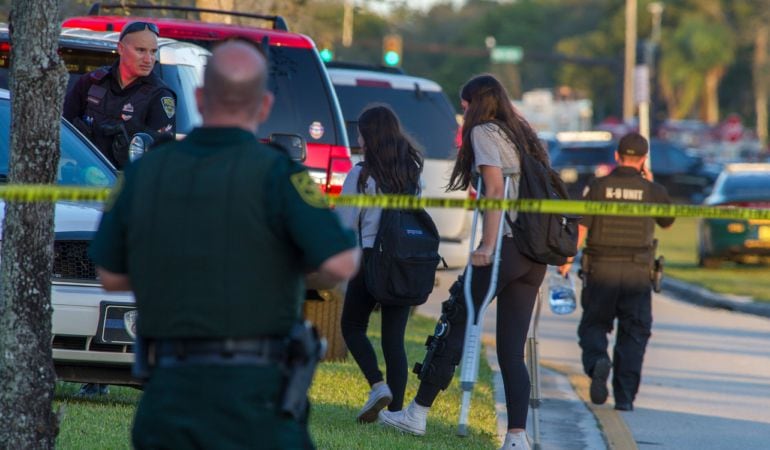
[(111, 104), (215, 234), (616, 269)]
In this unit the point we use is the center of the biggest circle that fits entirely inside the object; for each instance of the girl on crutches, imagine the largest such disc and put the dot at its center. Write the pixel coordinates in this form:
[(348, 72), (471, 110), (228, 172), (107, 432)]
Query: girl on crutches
[(492, 135)]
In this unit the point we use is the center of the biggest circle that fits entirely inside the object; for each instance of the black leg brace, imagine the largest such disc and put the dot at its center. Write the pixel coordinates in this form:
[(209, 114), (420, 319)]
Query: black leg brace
[(445, 347)]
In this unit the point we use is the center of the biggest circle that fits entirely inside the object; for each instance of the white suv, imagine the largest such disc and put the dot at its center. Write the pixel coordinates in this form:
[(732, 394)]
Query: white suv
[(427, 116)]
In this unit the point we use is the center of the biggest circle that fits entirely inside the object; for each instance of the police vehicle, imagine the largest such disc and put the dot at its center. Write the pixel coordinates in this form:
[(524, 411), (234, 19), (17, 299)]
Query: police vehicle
[(92, 329)]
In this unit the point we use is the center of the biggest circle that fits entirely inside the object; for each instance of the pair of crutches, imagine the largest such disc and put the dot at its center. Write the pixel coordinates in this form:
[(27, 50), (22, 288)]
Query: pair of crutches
[(474, 326)]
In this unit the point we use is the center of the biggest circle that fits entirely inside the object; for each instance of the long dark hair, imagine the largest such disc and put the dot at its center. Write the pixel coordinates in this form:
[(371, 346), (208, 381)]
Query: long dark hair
[(390, 157), (488, 101)]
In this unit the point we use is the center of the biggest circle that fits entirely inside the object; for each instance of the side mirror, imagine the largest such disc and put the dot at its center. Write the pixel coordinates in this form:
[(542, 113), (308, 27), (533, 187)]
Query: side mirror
[(293, 144), (140, 143)]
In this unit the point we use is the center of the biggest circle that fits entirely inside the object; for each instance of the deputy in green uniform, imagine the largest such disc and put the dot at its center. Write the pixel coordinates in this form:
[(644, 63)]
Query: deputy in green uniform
[(215, 235)]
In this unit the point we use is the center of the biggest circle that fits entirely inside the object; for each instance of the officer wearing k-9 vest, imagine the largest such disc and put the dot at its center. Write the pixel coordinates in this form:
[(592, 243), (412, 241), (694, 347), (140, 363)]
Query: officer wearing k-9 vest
[(111, 104), (215, 235), (617, 268)]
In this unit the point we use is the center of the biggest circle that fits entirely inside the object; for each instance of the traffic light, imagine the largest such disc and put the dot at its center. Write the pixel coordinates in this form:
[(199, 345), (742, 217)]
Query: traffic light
[(392, 45), (326, 52)]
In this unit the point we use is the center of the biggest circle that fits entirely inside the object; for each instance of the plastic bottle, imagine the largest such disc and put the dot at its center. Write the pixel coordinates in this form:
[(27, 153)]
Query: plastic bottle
[(561, 293)]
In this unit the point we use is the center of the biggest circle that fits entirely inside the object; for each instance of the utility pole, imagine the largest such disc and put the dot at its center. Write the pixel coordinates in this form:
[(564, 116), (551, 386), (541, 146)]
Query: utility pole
[(630, 61), (347, 24)]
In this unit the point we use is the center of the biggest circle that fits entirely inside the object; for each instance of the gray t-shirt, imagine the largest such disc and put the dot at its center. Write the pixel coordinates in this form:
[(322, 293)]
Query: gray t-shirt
[(370, 217), (492, 147)]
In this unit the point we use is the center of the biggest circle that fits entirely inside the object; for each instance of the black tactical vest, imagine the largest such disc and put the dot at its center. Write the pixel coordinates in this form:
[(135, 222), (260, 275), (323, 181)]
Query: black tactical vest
[(106, 111), (617, 234)]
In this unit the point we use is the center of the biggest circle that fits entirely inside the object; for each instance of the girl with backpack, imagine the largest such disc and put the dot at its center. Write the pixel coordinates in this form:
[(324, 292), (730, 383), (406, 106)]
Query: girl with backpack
[(493, 134), (392, 164)]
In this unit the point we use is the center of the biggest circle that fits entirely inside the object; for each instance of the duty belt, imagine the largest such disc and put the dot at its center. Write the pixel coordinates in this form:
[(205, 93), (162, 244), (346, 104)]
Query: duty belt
[(639, 258), (219, 352)]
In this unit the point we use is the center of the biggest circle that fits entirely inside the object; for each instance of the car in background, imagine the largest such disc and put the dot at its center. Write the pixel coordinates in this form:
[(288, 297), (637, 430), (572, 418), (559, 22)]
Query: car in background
[(745, 185), (92, 329), (550, 143), (180, 65), (427, 115), (583, 156), (305, 103)]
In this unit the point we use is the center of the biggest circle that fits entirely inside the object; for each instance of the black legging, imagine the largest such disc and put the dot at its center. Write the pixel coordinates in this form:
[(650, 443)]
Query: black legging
[(359, 305), (519, 279)]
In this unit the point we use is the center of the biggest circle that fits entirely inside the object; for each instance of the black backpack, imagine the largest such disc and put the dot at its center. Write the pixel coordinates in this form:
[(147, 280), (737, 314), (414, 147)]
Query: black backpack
[(547, 238), (402, 267)]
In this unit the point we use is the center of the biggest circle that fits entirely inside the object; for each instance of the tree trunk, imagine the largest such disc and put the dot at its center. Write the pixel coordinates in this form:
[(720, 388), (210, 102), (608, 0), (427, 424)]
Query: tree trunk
[(37, 81), (760, 67), (711, 97)]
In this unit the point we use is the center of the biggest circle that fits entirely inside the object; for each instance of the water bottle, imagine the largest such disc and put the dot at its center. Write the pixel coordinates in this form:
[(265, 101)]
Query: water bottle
[(561, 293)]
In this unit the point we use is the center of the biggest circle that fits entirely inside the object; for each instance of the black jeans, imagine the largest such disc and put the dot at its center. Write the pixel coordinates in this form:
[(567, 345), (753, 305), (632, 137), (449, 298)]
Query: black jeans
[(617, 289), (359, 305), (519, 280)]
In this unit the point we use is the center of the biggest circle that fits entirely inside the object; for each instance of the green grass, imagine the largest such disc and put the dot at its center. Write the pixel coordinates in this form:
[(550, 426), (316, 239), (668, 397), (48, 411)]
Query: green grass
[(679, 245), (339, 390)]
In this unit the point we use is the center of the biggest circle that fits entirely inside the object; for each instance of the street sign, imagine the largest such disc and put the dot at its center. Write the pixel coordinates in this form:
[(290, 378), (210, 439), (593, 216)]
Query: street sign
[(506, 54)]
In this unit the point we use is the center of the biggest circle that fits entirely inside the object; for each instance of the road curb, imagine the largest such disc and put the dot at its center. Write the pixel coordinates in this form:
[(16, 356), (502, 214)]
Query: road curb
[(616, 433), (698, 295)]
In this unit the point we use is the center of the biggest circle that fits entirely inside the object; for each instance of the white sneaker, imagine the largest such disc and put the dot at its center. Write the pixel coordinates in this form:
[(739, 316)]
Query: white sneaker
[(412, 420), (379, 397), (516, 441)]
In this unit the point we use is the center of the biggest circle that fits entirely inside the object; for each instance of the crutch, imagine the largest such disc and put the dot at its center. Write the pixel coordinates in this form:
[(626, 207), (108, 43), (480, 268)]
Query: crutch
[(533, 365), (474, 323)]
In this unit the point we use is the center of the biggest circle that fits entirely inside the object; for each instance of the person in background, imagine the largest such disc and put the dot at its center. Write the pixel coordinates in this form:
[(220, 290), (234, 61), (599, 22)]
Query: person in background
[(493, 134), (392, 164), (616, 266), (111, 104), (211, 234)]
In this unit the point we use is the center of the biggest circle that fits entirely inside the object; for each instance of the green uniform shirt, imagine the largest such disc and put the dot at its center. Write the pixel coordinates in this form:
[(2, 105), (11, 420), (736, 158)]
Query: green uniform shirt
[(216, 233)]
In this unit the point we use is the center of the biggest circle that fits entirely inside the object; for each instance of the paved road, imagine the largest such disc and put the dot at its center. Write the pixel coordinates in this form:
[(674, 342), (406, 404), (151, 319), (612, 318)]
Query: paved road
[(706, 377)]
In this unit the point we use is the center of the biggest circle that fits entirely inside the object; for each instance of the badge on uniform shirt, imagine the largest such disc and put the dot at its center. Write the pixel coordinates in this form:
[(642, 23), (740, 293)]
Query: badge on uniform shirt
[(169, 106), (308, 190)]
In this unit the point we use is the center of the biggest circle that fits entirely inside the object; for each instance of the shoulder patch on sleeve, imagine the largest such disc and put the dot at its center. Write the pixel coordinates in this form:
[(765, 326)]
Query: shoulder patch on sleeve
[(169, 106), (308, 189)]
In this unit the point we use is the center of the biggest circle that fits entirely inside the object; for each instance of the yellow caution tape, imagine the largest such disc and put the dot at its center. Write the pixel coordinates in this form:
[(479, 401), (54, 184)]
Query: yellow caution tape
[(573, 207), (52, 193)]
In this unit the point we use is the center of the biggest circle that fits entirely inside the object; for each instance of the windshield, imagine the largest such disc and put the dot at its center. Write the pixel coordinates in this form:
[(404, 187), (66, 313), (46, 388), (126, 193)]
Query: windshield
[(303, 102), (79, 164), (426, 116), (746, 184), (588, 155)]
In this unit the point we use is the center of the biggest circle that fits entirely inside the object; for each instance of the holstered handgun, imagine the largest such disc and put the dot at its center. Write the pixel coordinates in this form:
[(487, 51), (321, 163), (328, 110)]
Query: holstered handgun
[(141, 367), (656, 268), (120, 140), (305, 349), (585, 267)]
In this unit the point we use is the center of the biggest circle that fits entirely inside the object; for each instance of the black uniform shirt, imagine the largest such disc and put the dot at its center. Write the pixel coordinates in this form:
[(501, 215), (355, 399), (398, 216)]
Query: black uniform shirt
[(611, 234), (146, 105)]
